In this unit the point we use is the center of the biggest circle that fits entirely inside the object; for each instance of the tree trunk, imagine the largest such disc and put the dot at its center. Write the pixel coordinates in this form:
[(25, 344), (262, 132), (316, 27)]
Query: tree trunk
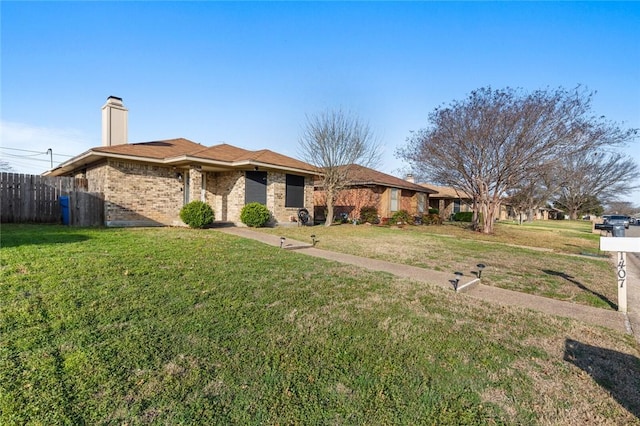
[(487, 220), (329, 218), (475, 224), (488, 210), (330, 201)]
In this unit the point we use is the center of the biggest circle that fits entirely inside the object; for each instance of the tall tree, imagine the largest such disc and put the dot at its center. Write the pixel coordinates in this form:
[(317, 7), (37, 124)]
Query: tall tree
[(489, 143), (602, 174), (590, 206), (333, 140), (533, 192), (622, 207)]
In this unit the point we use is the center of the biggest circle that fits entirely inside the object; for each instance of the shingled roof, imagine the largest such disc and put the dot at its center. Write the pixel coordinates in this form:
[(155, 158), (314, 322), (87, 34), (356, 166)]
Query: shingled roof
[(183, 152), (445, 192), (155, 149), (226, 152), (364, 176)]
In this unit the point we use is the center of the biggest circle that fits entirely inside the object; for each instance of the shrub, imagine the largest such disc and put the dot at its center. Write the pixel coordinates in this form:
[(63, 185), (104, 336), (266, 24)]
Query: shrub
[(434, 211), (255, 215), (463, 217), (432, 219), (197, 214), (369, 214), (401, 217)]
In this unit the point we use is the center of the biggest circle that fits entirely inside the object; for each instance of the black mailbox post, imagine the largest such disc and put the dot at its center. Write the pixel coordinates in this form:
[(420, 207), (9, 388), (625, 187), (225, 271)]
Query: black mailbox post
[(617, 231)]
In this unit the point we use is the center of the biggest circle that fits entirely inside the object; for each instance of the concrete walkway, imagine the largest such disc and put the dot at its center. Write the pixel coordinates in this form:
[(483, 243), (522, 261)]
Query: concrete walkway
[(625, 323)]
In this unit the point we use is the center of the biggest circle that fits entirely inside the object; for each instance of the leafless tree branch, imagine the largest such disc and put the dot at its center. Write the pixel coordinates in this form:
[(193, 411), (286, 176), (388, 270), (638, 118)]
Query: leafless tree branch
[(332, 141)]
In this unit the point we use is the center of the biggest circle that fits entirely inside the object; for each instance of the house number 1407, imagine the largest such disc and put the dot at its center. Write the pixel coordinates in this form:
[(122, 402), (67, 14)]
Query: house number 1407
[(622, 270)]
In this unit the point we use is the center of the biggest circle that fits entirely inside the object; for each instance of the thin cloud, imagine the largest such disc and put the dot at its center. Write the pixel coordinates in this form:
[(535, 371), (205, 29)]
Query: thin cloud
[(25, 147)]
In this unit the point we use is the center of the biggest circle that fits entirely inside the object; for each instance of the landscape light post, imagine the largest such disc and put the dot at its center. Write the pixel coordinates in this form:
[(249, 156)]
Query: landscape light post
[(480, 266), (456, 280)]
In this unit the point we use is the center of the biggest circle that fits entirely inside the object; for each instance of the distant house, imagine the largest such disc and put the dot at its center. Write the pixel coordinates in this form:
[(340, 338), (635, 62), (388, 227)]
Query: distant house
[(507, 212), (147, 183), (371, 188), (448, 201)]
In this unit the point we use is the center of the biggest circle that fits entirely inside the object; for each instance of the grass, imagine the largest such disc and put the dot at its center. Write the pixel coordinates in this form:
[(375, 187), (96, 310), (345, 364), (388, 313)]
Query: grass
[(547, 260), (179, 326)]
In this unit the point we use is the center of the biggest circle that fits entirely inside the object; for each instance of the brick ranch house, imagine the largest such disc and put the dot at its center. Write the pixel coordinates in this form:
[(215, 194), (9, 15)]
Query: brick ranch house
[(371, 188), (448, 201), (146, 184)]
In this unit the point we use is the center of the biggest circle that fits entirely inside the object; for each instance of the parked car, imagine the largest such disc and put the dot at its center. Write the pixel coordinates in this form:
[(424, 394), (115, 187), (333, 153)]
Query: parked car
[(616, 219)]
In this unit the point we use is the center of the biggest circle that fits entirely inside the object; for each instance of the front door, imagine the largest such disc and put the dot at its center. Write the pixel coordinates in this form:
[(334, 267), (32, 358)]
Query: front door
[(255, 190)]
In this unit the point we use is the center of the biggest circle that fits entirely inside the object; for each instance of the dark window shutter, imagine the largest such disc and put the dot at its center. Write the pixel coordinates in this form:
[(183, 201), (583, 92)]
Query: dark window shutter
[(295, 191), (255, 189)]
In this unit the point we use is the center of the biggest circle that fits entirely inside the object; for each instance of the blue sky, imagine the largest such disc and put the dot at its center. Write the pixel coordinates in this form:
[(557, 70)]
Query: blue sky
[(248, 73)]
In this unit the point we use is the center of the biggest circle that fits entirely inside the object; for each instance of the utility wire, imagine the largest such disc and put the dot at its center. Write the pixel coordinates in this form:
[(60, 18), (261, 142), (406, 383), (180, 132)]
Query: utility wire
[(35, 152), (26, 157), (23, 150)]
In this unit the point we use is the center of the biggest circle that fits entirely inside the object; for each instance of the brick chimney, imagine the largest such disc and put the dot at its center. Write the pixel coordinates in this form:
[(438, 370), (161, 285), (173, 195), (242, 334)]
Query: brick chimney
[(410, 178), (114, 122)]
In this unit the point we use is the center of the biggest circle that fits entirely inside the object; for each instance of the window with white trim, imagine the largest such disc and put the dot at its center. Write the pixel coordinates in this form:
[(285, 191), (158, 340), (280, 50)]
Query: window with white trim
[(395, 199)]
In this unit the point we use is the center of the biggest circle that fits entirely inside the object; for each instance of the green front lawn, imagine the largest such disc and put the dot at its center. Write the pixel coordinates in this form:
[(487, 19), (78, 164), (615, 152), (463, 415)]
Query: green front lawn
[(180, 326), (561, 262)]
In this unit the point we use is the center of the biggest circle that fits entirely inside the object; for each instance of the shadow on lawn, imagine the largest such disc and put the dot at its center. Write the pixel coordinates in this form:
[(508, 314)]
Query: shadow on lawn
[(569, 278), (22, 235), (618, 373)]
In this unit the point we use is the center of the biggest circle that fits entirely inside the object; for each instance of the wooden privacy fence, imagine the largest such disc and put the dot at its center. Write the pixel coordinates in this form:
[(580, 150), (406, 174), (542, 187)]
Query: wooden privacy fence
[(36, 199)]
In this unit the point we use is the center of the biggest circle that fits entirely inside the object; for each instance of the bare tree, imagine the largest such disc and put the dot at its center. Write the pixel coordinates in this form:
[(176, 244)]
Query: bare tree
[(595, 173), (622, 207), (590, 206), (494, 140), (332, 141), (5, 166), (533, 192)]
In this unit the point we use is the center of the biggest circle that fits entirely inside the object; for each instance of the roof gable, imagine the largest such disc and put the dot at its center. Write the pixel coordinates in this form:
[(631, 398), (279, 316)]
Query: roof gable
[(270, 157), (238, 156), (222, 152)]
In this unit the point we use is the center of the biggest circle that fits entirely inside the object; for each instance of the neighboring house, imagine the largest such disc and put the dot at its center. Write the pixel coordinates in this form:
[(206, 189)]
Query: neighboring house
[(507, 212), (448, 201), (147, 183), (370, 188)]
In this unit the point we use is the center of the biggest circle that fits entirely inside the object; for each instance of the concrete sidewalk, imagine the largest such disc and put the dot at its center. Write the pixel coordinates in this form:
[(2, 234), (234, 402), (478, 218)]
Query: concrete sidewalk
[(473, 288), (633, 293)]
